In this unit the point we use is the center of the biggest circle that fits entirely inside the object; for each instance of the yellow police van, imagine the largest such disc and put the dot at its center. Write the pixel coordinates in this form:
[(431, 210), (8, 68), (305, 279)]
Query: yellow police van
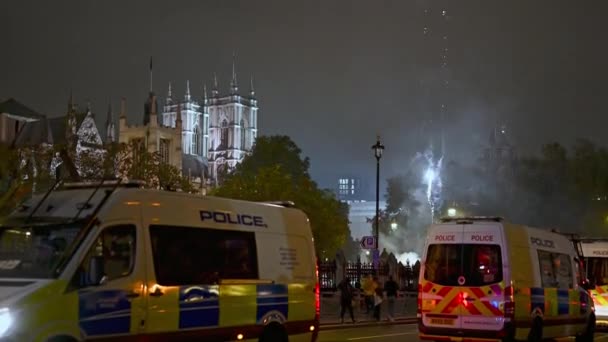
[(484, 279), (595, 264), (114, 261)]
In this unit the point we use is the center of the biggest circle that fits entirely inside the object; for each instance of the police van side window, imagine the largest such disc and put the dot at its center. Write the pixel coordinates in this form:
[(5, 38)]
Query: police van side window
[(189, 256), (556, 270), (115, 250)]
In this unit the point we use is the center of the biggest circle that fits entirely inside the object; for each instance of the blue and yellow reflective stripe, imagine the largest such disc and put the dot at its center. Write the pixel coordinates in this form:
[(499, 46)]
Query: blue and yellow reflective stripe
[(199, 307), (563, 302), (229, 305), (554, 301), (108, 312), (537, 299), (272, 298), (104, 312)]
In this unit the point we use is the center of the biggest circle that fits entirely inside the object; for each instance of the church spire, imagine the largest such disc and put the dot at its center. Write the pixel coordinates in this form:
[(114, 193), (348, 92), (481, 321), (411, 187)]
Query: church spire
[(169, 99), (110, 134), (205, 100), (109, 117), (123, 108), (251, 89), (89, 110), (214, 91), (234, 88), (187, 97)]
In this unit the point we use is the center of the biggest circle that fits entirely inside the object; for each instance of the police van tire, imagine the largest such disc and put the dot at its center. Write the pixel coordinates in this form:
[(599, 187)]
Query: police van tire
[(536, 332), (274, 332), (587, 336)]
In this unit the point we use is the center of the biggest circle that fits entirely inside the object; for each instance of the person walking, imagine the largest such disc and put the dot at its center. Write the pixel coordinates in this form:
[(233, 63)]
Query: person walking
[(378, 298), (346, 299), (369, 288), (391, 287)]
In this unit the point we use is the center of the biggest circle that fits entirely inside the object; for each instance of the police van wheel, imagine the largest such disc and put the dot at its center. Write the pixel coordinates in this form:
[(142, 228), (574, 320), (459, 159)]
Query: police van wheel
[(587, 336), (274, 332), (536, 333)]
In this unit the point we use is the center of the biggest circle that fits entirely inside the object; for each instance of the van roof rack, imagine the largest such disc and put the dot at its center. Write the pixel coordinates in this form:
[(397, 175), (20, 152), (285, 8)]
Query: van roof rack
[(286, 204), (132, 183), (472, 219)]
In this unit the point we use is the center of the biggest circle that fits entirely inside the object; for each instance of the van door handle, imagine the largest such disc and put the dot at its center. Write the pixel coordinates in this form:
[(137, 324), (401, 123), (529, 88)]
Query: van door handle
[(157, 293), (132, 295)]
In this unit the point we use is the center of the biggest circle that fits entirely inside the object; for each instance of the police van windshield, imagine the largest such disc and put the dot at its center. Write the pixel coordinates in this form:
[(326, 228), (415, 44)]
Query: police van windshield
[(597, 271), (463, 264), (34, 250)]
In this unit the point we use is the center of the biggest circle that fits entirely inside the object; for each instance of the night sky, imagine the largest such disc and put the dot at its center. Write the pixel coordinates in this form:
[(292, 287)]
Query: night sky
[(330, 74)]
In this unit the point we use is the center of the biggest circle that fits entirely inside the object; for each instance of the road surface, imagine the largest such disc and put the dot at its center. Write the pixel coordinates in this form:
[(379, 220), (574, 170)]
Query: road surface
[(386, 333)]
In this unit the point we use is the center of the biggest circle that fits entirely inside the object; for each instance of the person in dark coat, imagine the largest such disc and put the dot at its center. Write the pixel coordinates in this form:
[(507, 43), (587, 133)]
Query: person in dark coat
[(347, 292)]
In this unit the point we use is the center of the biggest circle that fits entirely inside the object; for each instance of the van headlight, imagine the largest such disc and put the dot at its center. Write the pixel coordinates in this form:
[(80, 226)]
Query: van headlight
[(6, 320)]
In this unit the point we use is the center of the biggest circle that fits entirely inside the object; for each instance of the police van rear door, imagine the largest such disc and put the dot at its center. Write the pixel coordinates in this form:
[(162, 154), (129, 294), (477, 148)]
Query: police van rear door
[(482, 279), (440, 307)]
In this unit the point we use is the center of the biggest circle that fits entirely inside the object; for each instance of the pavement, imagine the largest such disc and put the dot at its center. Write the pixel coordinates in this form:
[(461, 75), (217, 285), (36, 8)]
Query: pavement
[(405, 312)]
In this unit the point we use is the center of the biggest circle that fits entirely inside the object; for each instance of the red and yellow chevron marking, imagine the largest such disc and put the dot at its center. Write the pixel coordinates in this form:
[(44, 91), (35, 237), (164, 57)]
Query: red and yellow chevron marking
[(474, 301), (600, 295)]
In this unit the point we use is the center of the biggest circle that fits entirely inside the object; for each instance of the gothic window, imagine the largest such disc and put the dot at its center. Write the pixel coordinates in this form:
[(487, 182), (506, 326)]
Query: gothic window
[(224, 134), (164, 150), (195, 140), (243, 135)]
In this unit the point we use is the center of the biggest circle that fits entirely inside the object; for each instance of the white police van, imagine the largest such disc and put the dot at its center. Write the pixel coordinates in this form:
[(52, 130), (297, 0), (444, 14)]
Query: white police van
[(113, 260)]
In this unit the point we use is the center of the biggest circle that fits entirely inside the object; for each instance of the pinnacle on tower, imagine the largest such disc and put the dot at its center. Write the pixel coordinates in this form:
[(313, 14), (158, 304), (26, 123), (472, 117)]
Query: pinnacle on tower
[(187, 97), (153, 105), (234, 88), (89, 111), (110, 134), (123, 108), (109, 117), (251, 89), (205, 93), (214, 91)]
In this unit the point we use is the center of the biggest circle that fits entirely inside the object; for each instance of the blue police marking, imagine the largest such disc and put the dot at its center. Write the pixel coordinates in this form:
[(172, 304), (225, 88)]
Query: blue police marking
[(272, 297), (537, 299), (243, 219), (563, 302), (104, 312), (199, 306)]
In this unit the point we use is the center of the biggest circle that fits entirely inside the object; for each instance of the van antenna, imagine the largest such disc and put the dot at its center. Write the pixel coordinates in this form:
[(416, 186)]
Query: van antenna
[(46, 195)]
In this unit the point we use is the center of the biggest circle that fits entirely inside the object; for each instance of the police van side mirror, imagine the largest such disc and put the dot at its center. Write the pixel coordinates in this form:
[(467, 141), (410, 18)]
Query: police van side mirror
[(96, 274)]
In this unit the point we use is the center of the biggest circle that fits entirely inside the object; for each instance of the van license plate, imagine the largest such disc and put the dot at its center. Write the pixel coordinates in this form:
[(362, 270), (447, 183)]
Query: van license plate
[(442, 321)]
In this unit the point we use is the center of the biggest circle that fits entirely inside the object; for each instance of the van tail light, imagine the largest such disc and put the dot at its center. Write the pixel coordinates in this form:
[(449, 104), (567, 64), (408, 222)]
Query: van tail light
[(419, 310), (509, 304), (317, 296)]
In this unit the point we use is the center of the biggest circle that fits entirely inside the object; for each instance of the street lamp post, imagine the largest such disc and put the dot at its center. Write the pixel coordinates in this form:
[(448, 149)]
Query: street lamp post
[(378, 149)]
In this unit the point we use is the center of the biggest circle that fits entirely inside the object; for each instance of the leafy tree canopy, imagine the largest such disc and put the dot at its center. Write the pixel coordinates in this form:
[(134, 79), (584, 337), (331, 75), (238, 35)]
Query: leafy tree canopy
[(275, 171)]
